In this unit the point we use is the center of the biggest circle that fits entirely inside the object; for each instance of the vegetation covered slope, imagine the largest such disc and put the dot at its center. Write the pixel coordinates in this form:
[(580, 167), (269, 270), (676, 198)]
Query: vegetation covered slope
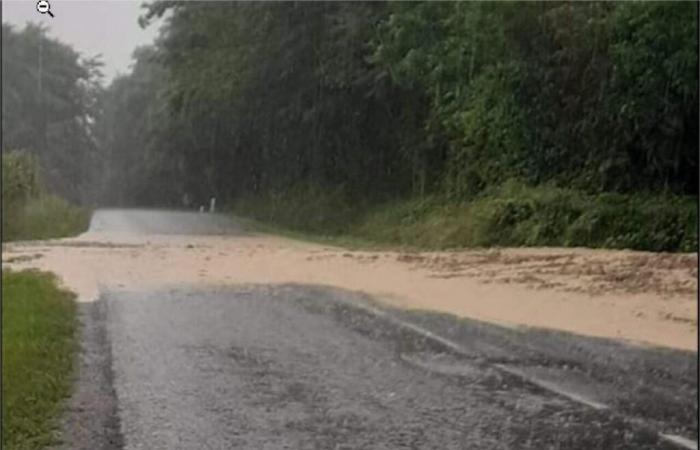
[(510, 215)]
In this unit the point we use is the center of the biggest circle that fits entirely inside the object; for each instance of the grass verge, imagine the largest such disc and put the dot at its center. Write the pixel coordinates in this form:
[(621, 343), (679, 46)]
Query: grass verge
[(39, 341), (511, 215), (338, 240)]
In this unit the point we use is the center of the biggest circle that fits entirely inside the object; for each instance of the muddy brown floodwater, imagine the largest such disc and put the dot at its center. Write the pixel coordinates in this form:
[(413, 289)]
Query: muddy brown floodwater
[(634, 296)]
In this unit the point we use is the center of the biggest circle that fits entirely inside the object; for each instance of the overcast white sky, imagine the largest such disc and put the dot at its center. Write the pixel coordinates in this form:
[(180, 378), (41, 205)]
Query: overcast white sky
[(109, 27)]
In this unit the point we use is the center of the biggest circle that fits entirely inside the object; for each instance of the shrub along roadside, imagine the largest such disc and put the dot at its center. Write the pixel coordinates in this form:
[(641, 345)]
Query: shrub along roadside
[(45, 217), (27, 211), (511, 215), (38, 353)]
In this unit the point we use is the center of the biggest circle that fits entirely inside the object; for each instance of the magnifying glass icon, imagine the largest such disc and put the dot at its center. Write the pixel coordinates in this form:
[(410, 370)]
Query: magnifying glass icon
[(43, 7)]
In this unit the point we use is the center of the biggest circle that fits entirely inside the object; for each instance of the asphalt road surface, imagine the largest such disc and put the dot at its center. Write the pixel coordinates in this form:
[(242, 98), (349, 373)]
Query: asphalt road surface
[(306, 367)]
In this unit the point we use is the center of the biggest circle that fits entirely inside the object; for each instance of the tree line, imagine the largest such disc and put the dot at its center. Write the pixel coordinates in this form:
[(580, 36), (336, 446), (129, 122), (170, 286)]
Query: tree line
[(373, 100), (50, 96)]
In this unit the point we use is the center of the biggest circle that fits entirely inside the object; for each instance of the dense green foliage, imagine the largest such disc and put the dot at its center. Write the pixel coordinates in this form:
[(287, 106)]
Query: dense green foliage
[(312, 114), (48, 108), (28, 212), (388, 100), (20, 183), (46, 217), (359, 104), (39, 326), (510, 215)]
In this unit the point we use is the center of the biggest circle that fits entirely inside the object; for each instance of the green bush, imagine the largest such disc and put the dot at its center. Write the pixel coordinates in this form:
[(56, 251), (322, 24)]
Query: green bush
[(518, 215), (46, 217), (19, 183), (28, 212), (513, 214), (661, 223), (20, 174)]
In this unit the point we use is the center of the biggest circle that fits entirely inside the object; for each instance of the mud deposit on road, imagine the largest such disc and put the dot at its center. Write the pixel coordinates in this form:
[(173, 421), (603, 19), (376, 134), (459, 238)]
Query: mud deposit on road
[(594, 272), (290, 367), (635, 296)]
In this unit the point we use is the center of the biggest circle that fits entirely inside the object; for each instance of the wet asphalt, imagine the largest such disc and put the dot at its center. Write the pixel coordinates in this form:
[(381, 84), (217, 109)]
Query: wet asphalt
[(308, 367)]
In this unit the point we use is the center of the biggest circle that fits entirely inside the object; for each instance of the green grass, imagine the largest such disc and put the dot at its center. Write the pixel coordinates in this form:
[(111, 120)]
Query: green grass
[(39, 327), (512, 215), (45, 217), (338, 240)]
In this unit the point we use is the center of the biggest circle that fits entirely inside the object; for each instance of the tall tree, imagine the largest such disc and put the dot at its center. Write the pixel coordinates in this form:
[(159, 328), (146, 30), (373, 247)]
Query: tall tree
[(49, 100), (375, 100)]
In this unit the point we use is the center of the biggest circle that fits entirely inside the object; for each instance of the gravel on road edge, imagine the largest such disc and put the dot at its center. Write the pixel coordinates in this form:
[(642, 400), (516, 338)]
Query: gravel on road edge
[(91, 420)]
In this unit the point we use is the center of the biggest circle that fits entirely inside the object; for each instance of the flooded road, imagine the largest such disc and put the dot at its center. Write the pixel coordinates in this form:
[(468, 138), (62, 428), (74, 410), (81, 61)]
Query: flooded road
[(269, 363)]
